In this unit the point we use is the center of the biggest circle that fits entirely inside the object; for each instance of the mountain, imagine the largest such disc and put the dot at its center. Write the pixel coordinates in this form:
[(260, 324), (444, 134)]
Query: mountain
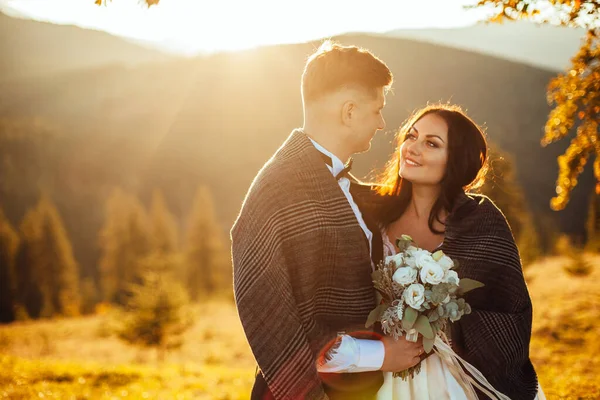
[(542, 46), (216, 120), (32, 48)]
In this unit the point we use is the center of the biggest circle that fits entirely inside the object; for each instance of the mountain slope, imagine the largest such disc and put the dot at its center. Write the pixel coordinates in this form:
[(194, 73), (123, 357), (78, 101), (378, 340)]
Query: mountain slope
[(542, 46), (32, 48), (216, 120)]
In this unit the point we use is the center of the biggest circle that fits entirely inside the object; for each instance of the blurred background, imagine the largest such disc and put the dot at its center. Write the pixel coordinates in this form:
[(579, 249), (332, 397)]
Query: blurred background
[(130, 132)]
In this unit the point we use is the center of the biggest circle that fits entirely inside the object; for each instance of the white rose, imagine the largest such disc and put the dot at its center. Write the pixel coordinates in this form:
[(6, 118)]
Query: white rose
[(412, 250), (414, 295), (411, 262), (431, 272), (423, 258), (398, 259), (446, 262), (451, 277), (405, 276)]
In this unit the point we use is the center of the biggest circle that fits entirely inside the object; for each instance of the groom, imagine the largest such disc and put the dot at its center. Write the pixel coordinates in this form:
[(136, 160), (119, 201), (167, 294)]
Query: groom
[(302, 250)]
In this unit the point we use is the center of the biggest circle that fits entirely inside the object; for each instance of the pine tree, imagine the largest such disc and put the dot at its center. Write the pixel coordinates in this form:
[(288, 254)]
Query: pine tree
[(50, 280), (164, 227), (124, 241), (156, 314), (9, 243), (206, 254)]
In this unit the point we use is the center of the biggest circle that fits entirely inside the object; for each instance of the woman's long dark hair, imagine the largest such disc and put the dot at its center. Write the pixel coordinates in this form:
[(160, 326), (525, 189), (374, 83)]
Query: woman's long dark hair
[(465, 170)]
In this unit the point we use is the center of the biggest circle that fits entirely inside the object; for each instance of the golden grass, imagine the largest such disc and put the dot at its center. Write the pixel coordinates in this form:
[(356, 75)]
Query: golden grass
[(565, 346), (79, 358)]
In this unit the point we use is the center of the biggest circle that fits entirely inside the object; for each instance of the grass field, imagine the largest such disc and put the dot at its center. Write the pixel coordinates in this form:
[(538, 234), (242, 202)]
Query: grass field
[(79, 358)]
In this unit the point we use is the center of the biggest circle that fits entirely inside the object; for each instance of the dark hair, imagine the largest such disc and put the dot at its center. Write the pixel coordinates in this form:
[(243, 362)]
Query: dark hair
[(465, 170), (334, 66)]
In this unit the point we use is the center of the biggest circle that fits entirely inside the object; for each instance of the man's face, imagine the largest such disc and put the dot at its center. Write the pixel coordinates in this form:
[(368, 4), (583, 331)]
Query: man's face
[(367, 120)]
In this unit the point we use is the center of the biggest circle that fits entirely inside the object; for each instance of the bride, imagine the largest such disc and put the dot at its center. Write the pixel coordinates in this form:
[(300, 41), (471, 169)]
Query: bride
[(441, 153)]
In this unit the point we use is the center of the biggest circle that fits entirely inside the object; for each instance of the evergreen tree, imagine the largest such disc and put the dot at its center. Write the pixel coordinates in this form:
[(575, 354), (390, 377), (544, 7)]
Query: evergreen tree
[(50, 279), (206, 254), (156, 314), (124, 241), (9, 243), (164, 227)]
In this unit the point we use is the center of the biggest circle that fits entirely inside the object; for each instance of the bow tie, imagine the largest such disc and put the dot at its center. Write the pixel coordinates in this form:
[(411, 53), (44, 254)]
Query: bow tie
[(343, 173)]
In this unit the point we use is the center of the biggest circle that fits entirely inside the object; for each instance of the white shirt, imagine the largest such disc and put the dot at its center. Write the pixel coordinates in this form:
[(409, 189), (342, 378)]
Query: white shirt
[(352, 355)]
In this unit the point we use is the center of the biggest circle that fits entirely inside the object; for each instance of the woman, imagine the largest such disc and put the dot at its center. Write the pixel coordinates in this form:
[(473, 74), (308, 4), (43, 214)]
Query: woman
[(442, 153)]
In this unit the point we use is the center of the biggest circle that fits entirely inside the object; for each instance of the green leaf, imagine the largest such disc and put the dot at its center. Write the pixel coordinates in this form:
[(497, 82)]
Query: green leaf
[(406, 237), (428, 344), (409, 318), (466, 285), (423, 327), (437, 256), (433, 316), (375, 315)]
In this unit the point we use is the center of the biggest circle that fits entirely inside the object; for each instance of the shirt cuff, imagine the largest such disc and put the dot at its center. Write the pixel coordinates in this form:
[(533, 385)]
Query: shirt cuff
[(354, 355), (371, 355)]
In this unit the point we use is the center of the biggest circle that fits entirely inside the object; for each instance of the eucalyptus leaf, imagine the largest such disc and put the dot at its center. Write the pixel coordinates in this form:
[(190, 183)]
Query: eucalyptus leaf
[(410, 316), (423, 326), (428, 344), (466, 285), (434, 316), (375, 315)]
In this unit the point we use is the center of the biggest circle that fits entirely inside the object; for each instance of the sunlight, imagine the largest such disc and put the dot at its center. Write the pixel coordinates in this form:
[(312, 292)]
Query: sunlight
[(192, 27)]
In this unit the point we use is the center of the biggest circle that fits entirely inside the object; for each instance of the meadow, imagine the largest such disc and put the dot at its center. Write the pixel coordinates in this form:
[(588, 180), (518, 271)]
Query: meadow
[(80, 358)]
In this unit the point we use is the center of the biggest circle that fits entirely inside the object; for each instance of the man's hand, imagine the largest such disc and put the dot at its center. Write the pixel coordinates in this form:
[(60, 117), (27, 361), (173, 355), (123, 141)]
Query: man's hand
[(401, 354)]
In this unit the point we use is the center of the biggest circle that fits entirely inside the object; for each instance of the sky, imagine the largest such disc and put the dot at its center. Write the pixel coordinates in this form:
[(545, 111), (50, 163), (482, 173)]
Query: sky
[(198, 26)]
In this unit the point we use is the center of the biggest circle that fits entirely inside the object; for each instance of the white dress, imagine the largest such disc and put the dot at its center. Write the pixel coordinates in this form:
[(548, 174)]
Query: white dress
[(434, 381)]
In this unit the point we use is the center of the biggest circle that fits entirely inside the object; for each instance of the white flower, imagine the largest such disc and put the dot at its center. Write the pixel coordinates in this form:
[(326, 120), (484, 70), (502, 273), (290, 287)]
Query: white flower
[(446, 262), (405, 276), (398, 259), (410, 261), (412, 250), (424, 258), (431, 272), (414, 295), (451, 277)]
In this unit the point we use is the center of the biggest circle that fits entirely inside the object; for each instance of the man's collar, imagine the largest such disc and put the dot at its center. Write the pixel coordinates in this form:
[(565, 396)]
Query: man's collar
[(338, 165)]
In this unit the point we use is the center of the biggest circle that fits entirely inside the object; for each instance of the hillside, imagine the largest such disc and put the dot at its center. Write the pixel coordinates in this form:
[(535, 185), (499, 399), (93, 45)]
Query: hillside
[(542, 46), (32, 48), (216, 120)]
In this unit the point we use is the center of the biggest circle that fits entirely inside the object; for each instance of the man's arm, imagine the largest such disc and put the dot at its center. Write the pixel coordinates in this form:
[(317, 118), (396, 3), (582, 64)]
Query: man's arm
[(268, 310), (361, 355)]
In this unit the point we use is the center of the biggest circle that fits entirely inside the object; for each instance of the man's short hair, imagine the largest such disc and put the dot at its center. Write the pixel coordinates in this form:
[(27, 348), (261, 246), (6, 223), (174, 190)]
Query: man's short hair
[(334, 66)]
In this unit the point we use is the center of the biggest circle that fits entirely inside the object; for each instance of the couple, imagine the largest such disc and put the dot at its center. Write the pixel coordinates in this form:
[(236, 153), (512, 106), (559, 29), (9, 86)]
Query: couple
[(309, 234)]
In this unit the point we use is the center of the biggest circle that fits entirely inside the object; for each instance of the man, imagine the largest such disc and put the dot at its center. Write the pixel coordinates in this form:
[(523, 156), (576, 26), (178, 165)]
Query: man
[(302, 249)]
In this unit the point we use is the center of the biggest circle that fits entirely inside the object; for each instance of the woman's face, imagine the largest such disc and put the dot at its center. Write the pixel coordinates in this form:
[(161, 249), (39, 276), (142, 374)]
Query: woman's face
[(424, 152)]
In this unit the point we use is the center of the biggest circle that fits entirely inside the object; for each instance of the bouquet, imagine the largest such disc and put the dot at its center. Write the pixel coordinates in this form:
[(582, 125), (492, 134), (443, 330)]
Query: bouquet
[(420, 292)]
